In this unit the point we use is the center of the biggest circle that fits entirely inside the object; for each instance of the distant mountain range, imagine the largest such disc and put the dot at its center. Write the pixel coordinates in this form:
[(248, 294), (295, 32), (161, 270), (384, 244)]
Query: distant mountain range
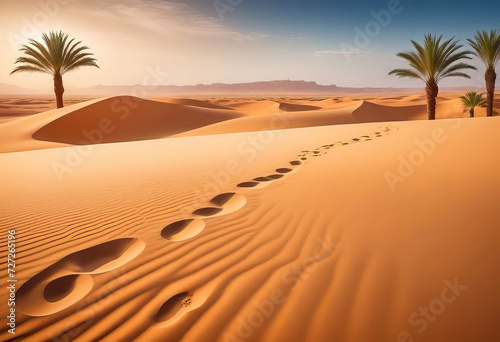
[(285, 87)]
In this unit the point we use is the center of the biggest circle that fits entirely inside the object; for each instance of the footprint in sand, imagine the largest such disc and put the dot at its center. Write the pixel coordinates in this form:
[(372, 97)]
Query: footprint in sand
[(227, 203), (248, 185), (70, 279), (173, 306), (209, 211), (318, 152), (275, 177), (284, 170), (262, 182), (262, 179), (177, 306), (222, 204), (183, 230)]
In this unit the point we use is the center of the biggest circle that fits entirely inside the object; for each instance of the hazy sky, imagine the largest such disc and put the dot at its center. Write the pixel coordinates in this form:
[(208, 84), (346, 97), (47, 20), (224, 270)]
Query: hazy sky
[(207, 41)]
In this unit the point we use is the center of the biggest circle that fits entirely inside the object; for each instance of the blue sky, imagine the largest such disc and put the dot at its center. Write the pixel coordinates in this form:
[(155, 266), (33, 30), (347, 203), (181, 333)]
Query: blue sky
[(253, 40), (324, 18), (326, 24)]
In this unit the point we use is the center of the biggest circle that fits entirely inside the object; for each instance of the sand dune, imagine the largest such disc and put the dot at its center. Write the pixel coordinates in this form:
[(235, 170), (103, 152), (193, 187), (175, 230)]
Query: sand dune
[(369, 112), (280, 120), (293, 107), (115, 119), (191, 102), (338, 112), (122, 119), (269, 106), (160, 241), (253, 107), (357, 112)]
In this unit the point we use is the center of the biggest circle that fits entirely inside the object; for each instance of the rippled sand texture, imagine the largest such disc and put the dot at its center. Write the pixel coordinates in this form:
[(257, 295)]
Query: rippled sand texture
[(317, 231)]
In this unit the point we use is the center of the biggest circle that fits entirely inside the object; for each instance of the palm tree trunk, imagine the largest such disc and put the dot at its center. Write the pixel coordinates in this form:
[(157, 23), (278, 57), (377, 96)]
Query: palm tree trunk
[(59, 90), (490, 78), (472, 112), (431, 91)]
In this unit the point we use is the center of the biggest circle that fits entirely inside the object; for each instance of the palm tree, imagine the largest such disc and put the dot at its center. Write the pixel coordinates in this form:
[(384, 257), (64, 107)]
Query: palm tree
[(487, 48), (57, 57), (431, 63), (471, 100)]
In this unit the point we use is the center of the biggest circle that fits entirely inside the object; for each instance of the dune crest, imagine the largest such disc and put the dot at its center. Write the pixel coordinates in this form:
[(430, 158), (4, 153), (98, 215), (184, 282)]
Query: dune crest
[(108, 120), (127, 118), (191, 102)]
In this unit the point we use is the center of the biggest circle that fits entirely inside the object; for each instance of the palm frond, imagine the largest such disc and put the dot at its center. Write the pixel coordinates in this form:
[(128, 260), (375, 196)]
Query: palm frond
[(82, 62), (455, 69), (473, 99), (27, 68), (459, 74), (57, 55), (486, 46), (434, 60), (402, 73), (32, 62), (35, 53)]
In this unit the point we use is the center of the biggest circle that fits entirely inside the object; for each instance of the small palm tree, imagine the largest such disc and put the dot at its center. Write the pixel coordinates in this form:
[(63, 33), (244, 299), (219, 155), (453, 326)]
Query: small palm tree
[(471, 100), (57, 57), (487, 48), (431, 63)]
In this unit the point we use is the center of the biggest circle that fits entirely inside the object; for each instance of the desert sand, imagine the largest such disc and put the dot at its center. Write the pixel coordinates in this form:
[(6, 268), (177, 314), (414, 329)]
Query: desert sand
[(15, 107), (253, 219)]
